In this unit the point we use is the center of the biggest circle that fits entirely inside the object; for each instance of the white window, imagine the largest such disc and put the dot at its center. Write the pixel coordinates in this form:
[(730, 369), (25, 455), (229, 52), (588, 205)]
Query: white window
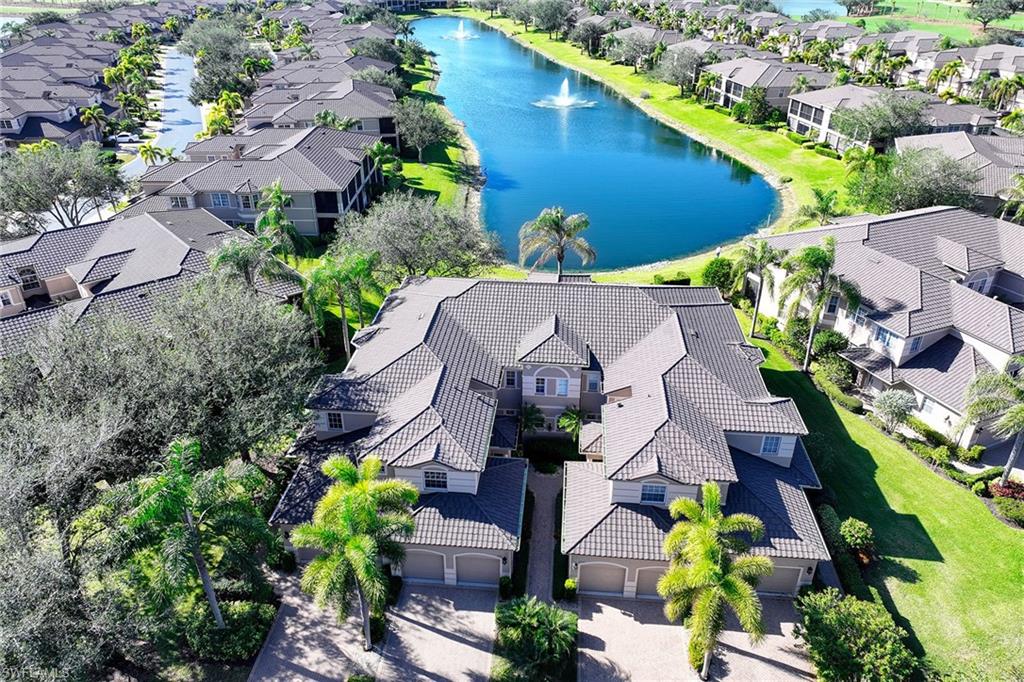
[(860, 315), (593, 383), (979, 285), (8, 125), (210, 157), (335, 422), (562, 387), (510, 378), (540, 386), (885, 337), (652, 493), (28, 277), (833, 305), (220, 200), (5, 298), (435, 480), (179, 202), (915, 344), (247, 201), (770, 445), (927, 405)]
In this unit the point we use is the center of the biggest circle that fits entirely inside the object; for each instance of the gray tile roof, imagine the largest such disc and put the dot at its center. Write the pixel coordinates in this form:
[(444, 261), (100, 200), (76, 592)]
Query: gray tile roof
[(944, 370), (996, 159), (592, 526)]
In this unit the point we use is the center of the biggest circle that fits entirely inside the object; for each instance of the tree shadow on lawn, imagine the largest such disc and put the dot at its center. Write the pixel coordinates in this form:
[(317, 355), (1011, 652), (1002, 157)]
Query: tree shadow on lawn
[(850, 477)]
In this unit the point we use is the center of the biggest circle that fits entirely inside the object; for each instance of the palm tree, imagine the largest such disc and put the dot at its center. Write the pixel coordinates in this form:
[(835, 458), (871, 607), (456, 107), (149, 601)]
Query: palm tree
[(1014, 121), (381, 154), (812, 278), (252, 67), (1005, 89), (551, 235), (355, 525), (706, 83), (94, 116), (150, 153), (800, 84), (863, 159), (1000, 396), (756, 257), (709, 570), (330, 119), (251, 257), (307, 53), (179, 506), (362, 278), (230, 101), (331, 278), (822, 209), (115, 78), (1013, 196), (172, 25), (546, 634), (218, 122), (571, 421), (531, 418), (168, 154), (273, 221), (858, 55)]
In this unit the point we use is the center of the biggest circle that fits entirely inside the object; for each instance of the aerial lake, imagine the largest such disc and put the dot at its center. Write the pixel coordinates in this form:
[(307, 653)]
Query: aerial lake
[(651, 193)]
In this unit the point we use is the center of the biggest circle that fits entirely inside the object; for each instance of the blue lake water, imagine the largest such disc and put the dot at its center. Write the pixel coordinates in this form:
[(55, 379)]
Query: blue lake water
[(798, 8), (181, 119), (651, 193)]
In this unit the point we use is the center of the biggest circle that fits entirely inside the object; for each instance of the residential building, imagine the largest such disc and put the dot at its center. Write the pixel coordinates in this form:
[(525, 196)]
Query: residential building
[(650, 34), (909, 44), (996, 61), (117, 266), (323, 70), (942, 301), (996, 159), (715, 51), (669, 387), (372, 106), (811, 113), (777, 78), (326, 172)]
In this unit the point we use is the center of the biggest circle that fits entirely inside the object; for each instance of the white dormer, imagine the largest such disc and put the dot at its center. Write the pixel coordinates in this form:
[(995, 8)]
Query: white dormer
[(332, 423), (774, 447)]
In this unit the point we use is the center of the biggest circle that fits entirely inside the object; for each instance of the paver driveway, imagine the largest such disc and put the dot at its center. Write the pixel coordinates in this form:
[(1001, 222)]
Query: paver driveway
[(622, 639), (439, 633)]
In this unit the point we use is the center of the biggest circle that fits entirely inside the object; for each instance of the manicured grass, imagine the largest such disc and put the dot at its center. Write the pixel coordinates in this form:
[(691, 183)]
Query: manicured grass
[(941, 17), (770, 152), (949, 571)]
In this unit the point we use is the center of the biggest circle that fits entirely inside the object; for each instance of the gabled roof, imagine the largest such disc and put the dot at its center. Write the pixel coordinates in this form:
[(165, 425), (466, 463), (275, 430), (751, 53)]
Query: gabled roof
[(552, 342)]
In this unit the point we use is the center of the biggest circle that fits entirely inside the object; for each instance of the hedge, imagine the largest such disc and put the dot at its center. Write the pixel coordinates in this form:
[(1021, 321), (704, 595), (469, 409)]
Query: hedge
[(796, 137), (846, 566), (246, 626), (852, 404), (825, 151), (1010, 508)]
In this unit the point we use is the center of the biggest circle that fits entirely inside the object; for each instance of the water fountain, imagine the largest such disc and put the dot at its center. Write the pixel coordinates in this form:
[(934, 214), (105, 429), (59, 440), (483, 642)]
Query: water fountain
[(461, 33), (564, 100)]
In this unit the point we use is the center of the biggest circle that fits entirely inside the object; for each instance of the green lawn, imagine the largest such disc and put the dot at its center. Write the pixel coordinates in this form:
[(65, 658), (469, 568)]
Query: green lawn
[(950, 572), (941, 17)]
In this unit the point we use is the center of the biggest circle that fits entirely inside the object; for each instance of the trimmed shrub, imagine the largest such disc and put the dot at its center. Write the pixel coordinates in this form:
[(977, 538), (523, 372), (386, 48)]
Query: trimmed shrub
[(825, 151), (893, 407), (679, 279), (361, 678), (846, 567), (939, 456), (247, 624), (809, 144), (505, 587), (718, 273), (933, 437), (969, 480), (828, 342), (538, 639), (1011, 509), (980, 489), (797, 330), (569, 589), (785, 179), (850, 639), (837, 370), (796, 137), (857, 534), (1012, 489), (644, 94), (971, 454), (837, 395)]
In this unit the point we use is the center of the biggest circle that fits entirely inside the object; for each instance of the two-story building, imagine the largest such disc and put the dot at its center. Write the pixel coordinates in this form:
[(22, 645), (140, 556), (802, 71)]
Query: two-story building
[(326, 172), (942, 292), (777, 78), (669, 387)]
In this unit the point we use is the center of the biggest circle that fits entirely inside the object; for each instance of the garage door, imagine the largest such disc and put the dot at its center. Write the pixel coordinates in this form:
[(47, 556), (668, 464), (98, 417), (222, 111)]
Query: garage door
[(602, 579), (647, 582), (477, 570), (782, 581), (419, 565)]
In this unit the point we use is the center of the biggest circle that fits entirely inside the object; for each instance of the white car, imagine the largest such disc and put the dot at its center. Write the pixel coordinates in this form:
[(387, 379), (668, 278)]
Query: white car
[(126, 137)]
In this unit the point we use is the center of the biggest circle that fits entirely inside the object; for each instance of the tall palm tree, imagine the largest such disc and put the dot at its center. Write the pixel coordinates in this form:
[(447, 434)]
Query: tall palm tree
[(177, 508), (531, 418), (150, 153), (381, 154), (307, 53), (330, 119), (251, 257), (812, 279), (355, 526), (230, 101), (94, 116), (273, 222), (331, 277), (551, 235), (1013, 197), (824, 207), (1004, 90), (756, 257), (1014, 121), (709, 571), (544, 633), (571, 421), (863, 160), (1000, 396), (362, 278), (706, 83), (800, 84)]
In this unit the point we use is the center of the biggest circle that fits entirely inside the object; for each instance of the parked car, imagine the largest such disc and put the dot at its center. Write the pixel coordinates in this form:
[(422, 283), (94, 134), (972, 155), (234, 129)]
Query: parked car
[(121, 138)]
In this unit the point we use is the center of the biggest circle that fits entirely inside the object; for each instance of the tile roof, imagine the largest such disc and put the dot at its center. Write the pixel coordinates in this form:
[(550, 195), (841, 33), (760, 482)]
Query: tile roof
[(995, 159)]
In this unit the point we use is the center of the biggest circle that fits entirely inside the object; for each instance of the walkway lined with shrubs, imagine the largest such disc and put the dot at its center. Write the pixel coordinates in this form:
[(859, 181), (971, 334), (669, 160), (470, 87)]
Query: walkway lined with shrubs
[(947, 569)]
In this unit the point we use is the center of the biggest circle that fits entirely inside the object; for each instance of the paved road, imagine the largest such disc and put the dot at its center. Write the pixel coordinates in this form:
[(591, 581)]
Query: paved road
[(545, 488)]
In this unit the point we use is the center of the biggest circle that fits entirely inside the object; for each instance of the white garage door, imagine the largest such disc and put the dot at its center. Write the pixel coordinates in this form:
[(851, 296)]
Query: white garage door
[(782, 581), (420, 565), (601, 579), (473, 569), (647, 582)]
